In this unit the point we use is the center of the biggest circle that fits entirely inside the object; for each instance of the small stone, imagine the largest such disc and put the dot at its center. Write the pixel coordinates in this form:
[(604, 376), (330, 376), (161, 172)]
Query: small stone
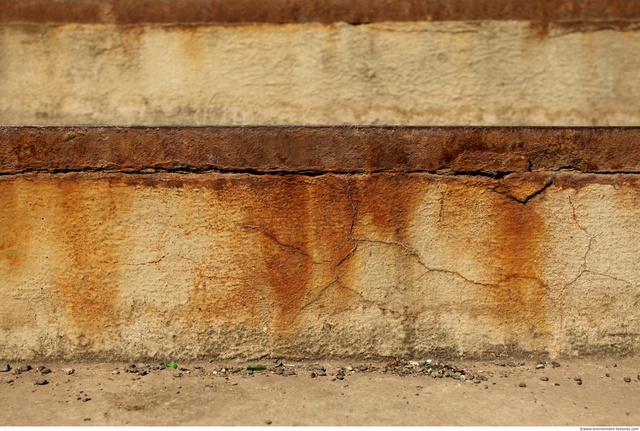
[(499, 362), (580, 382), (522, 385), (25, 368), (132, 367), (486, 386), (638, 376), (269, 422), (577, 378), (45, 371), (539, 366), (463, 378), (483, 378), (5, 368), (9, 381), (177, 375), (69, 371), (289, 373), (544, 379), (522, 364), (85, 399), (87, 419), (555, 364), (627, 379), (17, 371), (113, 372), (313, 375), (41, 382), (557, 384), (321, 373), (609, 375), (40, 368)]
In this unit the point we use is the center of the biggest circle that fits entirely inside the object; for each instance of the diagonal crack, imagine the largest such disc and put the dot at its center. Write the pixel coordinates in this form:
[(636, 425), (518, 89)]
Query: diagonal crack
[(406, 249), (286, 247)]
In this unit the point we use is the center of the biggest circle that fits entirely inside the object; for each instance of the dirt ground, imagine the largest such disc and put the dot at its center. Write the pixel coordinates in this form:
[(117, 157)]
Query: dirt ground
[(94, 395)]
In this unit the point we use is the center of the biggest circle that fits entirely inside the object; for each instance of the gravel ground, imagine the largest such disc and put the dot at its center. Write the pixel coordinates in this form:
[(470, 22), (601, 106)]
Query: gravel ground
[(578, 392)]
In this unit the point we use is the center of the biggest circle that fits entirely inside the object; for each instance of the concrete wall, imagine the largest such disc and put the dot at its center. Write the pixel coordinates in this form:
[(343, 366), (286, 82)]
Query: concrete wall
[(152, 262), (422, 73)]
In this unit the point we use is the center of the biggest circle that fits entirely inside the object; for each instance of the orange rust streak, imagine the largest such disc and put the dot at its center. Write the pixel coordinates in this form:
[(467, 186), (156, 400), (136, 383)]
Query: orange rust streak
[(519, 295), (91, 229)]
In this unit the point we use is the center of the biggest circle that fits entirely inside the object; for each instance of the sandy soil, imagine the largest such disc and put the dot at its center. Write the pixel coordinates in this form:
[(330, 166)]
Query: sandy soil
[(200, 397)]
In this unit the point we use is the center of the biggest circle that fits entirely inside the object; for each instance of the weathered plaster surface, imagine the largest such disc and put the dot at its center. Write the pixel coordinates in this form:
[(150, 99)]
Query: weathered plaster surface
[(367, 265), (427, 73)]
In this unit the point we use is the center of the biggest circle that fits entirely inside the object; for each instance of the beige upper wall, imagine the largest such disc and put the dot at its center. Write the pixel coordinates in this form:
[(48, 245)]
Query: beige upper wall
[(438, 73)]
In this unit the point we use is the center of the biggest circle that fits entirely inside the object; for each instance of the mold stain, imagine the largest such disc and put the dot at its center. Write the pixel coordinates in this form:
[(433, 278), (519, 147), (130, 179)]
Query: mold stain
[(91, 226)]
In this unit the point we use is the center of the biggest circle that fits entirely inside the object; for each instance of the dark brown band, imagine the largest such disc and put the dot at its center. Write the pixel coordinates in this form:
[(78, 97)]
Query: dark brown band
[(316, 150), (322, 11)]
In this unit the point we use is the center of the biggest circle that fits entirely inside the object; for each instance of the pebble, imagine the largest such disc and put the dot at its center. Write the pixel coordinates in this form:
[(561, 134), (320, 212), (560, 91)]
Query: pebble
[(608, 375), (41, 382), (522, 364), (40, 368), (45, 371), (87, 419), (177, 375), (313, 375), (638, 376), (269, 422), (539, 366), (25, 368), (627, 379), (577, 378), (522, 385), (5, 368), (17, 371), (85, 399), (544, 379), (555, 364), (68, 371), (289, 373)]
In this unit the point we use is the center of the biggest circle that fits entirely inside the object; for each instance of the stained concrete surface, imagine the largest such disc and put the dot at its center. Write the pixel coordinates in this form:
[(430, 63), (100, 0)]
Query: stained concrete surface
[(369, 265), (362, 398), (402, 73)]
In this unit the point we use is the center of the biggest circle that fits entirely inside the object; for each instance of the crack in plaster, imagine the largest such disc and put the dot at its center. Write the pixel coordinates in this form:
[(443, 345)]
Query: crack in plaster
[(409, 251), (584, 268)]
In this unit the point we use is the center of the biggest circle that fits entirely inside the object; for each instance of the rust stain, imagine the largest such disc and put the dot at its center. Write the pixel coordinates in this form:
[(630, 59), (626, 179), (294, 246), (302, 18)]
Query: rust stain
[(15, 227), (292, 11), (390, 201), (91, 231), (517, 298), (296, 149), (281, 221), (490, 163)]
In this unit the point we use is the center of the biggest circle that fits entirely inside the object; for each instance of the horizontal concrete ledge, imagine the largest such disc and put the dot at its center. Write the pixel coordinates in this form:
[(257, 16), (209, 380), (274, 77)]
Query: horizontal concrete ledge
[(315, 150), (300, 11)]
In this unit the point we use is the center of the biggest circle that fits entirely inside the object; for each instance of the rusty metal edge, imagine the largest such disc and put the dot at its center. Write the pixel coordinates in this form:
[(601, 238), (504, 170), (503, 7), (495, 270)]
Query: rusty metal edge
[(319, 149), (303, 11)]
